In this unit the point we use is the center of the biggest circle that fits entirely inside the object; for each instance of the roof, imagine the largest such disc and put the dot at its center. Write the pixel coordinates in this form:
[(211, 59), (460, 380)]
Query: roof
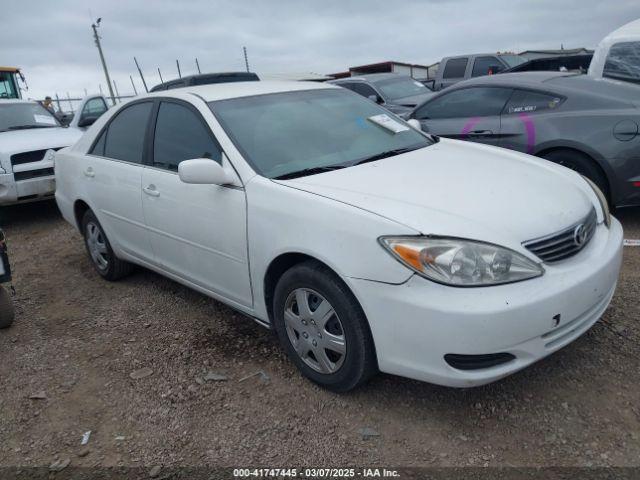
[(627, 33), (15, 100), (223, 91), (9, 69), (562, 51), (519, 78)]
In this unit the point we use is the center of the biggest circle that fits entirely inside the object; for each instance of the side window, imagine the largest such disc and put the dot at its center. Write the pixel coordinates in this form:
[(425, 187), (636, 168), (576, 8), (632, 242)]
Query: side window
[(455, 68), (523, 101), (466, 102), (94, 107), (181, 135), (623, 61), (125, 135), (365, 90), (98, 148), (486, 66), (348, 86)]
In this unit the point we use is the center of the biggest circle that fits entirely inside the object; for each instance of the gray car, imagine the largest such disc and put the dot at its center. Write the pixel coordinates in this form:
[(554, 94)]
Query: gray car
[(588, 125), (397, 93)]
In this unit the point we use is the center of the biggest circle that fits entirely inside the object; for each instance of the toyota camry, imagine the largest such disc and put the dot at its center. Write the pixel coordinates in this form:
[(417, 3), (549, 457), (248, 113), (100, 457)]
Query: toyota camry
[(366, 244)]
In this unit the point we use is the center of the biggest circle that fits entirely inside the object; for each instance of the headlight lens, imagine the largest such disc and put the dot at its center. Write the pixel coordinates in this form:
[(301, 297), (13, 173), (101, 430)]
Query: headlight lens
[(604, 205), (459, 262)]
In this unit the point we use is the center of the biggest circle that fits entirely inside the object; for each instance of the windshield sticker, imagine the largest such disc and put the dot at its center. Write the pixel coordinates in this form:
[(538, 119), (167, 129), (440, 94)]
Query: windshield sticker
[(46, 119), (385, 121)]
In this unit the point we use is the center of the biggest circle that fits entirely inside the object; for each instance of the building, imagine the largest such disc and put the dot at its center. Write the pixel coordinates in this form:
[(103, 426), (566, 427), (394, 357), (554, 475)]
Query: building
[(416, 71)]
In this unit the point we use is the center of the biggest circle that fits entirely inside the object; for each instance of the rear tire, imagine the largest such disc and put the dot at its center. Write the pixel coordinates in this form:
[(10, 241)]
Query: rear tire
[(7, 313), (100, 252), (322, 327), (583, 164)]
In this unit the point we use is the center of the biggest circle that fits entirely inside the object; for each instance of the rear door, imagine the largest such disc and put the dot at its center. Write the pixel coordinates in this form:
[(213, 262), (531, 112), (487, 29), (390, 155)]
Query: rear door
[(521, 117), (465, 114), (112, 172), (198, 232)]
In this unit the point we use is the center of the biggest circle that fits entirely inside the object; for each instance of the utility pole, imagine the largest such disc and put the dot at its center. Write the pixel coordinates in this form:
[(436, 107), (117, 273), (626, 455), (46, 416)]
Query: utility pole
[(95, 26), (246, 60)]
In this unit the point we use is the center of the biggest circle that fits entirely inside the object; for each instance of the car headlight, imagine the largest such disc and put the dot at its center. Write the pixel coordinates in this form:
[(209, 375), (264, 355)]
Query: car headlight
[(459, 262), (604, 204)]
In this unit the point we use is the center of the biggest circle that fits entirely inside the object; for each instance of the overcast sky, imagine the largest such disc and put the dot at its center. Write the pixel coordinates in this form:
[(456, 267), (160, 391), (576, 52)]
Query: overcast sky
[(52, 41)]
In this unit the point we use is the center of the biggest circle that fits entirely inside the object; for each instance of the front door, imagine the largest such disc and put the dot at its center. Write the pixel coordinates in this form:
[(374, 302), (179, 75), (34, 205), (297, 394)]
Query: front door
[(471, 114), (198, 232)]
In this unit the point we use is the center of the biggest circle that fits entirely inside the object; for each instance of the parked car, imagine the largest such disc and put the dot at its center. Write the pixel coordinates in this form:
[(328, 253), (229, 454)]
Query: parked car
[(562, 63), (463, 67), (587, 125), (29, 136), (366, 243), (90, 109), (206, 79), (7, 313), (618, 55), (397, 93)]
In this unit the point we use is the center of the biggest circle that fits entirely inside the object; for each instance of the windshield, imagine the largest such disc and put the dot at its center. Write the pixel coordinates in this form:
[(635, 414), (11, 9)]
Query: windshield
[(8, 85), (623, 62), (401, 87), (282, 133), (513, 60), (17, 116)]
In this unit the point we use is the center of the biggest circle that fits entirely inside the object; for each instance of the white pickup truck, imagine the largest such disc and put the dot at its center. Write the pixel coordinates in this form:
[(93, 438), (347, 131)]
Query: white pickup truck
[(618, 55), (29, 136)]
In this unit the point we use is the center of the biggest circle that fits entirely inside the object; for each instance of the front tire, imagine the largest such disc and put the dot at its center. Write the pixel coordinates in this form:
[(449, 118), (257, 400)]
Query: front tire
[(100, 252), (322, 327), (7, 313)]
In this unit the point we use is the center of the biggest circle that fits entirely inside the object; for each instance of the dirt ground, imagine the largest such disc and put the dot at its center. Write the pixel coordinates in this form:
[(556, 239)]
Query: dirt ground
[(77, 340)]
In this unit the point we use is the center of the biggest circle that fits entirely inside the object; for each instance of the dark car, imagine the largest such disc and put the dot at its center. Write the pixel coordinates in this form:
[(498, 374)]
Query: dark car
[(397, 93), (206, 79), (554, 64), (588, 125)]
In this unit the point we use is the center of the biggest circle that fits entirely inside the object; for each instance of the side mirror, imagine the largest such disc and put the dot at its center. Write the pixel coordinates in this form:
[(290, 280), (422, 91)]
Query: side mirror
[(203, 171), (87, 121), (375, 98)]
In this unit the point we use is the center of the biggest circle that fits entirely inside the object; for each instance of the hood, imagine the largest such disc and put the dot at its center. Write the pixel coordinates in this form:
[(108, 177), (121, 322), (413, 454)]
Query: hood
[(17, 141), (462, 189), (413, 100)]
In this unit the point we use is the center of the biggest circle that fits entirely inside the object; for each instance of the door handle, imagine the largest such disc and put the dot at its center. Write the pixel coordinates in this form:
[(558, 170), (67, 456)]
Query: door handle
[(151, 190), (89, 172), (480, 133)]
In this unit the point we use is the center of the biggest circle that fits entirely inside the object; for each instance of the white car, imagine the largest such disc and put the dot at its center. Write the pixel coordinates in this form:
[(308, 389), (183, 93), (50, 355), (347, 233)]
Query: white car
[(365, 243), (29, 137)]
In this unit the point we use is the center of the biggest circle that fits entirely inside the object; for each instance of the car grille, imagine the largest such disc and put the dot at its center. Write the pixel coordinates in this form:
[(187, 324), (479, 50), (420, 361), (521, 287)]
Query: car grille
[(29, 157), (566, 243), (41, 172)]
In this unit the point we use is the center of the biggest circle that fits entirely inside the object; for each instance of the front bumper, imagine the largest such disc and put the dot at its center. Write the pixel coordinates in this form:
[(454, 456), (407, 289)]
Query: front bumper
[(39, 188), (415, 324)]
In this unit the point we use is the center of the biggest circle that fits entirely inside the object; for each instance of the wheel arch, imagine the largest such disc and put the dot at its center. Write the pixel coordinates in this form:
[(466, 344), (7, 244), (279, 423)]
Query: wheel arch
[(594, 157), (80, 207)]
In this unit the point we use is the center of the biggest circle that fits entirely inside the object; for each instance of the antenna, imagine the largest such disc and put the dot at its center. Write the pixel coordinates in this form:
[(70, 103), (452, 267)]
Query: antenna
[(198, 65), (178, 64), (133, 85)]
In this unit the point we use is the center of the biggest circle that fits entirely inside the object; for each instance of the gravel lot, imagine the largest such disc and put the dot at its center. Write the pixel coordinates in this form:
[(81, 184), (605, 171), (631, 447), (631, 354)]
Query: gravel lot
[(77, 340)]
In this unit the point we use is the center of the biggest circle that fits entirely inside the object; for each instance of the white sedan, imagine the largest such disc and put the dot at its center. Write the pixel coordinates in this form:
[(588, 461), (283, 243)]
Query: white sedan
[(366, 244)]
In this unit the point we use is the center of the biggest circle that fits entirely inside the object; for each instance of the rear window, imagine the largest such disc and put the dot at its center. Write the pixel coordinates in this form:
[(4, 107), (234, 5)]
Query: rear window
[(623, 62), (455, 68), (524, 101)]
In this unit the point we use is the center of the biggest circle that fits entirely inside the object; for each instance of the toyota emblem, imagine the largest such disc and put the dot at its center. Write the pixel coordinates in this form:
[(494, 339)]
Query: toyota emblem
[(580, 235)]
